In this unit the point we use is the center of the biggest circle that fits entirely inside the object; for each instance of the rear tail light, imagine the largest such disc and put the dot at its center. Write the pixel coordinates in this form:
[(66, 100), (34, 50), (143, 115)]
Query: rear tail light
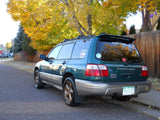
[(103, 70), (92, 70), (144, 70), (96, 70)]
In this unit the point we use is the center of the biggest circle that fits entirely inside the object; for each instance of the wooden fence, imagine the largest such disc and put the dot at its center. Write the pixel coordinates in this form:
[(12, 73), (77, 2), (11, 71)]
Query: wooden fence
[(148, 44), (21, 56)]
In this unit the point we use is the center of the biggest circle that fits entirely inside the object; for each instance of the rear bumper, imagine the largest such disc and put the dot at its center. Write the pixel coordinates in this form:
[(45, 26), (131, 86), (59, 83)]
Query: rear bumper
[(85, 88)]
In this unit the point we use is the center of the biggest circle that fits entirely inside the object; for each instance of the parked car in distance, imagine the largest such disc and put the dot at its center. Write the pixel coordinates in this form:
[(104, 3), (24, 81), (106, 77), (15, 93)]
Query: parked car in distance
[(103, 65), (4, 55)]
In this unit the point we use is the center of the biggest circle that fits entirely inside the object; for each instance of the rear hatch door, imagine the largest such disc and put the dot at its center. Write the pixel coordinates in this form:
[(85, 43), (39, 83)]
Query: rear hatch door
[(121, 58)]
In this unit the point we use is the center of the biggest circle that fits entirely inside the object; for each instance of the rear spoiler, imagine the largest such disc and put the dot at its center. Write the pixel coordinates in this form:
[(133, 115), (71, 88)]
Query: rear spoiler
[(115, 38)]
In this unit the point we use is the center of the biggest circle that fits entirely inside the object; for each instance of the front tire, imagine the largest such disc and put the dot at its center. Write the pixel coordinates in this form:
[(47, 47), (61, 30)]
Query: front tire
[(37, 81), (69, 92)]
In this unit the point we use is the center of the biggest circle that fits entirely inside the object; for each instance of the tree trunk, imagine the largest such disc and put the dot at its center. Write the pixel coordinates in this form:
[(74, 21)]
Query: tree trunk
[(89, 21), (146, 20)]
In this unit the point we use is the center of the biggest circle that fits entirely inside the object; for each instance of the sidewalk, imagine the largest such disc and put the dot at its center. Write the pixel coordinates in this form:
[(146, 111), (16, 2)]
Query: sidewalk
[(26, 66), (151, 99)]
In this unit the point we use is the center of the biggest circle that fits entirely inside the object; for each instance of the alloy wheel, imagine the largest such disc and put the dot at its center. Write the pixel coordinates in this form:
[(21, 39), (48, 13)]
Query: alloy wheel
[(68, 92)]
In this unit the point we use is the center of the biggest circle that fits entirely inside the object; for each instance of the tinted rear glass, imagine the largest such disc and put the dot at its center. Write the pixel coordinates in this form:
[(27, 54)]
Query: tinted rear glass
[(116, 51)]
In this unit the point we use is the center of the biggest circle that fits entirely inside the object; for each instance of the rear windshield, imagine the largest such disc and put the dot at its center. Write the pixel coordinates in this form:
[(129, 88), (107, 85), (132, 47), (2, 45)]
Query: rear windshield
[(116, 51)]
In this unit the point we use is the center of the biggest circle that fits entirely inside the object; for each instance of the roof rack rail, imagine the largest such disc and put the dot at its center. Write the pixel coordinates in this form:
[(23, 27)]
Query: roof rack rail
[(65, 40), (79, 37), (83, 36)]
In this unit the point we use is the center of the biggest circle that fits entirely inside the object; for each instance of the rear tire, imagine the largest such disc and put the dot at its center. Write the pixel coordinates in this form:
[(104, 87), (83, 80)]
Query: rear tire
[(37, 81), (70, 92)]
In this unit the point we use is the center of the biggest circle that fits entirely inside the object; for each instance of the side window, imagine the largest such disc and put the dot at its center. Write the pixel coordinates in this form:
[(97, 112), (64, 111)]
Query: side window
[(80, 49), (66, 51), (54, 53)]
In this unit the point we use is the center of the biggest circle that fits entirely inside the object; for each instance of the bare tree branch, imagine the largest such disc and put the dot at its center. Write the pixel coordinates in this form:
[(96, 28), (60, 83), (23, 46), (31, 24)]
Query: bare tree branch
[(79, 24), (89, 21), (79, 30), (65, 2), (155, 23)]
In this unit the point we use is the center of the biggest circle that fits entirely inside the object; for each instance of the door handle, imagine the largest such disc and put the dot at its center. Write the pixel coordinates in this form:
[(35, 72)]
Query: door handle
[(64, 62)]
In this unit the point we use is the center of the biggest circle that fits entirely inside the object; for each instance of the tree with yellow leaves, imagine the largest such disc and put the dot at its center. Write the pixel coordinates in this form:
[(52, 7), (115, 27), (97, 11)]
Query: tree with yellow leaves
[(40, 20), (8, 45), (48, 22)]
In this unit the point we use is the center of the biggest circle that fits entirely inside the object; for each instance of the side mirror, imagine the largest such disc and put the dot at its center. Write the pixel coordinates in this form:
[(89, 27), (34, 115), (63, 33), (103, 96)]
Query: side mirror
[(43, 57)]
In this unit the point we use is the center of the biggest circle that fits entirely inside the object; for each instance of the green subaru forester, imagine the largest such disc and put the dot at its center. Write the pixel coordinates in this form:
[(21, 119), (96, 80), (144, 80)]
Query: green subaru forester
[(103, 65)]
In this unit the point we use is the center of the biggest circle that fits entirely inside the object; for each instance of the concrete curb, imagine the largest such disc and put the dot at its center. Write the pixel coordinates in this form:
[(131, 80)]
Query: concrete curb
[(150, 99), (144, 104)]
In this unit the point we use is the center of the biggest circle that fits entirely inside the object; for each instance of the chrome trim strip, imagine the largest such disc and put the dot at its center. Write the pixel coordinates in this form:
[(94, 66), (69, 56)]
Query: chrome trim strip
[(54, 85)]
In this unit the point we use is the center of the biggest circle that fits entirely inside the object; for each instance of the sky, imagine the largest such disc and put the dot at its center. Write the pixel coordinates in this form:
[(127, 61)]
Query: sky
[(134, 20), (9, 28)]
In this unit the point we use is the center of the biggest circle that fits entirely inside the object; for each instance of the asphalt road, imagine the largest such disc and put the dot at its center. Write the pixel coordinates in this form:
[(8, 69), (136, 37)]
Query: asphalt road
[(19, 100)]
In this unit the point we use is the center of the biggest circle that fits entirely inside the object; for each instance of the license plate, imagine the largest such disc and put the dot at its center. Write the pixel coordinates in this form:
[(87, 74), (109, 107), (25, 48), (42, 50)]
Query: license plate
[(128, 90)]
